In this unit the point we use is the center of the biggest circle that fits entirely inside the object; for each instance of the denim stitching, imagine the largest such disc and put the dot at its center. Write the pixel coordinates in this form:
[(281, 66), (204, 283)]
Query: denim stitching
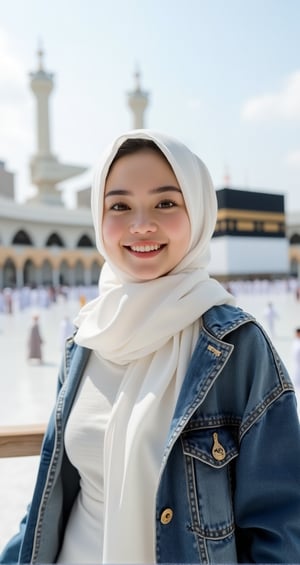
[(56, 451), (227, 350), (201, 456), (50, 476), (213, 422), (194, 508), (259, 410), (203, 532)]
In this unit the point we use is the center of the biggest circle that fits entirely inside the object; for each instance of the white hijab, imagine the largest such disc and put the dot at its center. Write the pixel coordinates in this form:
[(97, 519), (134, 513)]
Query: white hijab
[(151, 328)]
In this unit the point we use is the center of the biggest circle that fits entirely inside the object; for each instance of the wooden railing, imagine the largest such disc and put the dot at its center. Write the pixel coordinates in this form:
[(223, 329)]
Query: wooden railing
[(21, 441)]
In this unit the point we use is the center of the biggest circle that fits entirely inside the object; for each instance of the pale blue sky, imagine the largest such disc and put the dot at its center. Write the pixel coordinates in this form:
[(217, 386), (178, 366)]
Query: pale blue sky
[(223, 76)]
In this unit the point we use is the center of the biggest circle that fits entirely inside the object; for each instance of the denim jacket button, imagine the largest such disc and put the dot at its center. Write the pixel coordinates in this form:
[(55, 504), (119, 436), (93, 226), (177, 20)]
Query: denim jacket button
[(218, 451), (166, 516)]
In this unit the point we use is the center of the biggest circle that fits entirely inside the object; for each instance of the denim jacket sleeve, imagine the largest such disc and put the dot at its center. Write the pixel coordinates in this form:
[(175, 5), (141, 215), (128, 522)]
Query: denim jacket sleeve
[(267, 495), (11, 551)]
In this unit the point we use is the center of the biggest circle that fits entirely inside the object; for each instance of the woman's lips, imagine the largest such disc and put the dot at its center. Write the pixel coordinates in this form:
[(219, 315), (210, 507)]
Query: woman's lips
[(145, 250)]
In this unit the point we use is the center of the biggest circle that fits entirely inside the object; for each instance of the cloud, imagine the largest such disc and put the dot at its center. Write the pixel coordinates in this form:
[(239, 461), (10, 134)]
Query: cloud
[(284, 104), (293, 158)]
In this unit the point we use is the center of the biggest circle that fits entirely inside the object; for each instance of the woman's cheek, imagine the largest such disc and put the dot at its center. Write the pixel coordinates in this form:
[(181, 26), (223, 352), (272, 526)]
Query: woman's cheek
[(108, 229)]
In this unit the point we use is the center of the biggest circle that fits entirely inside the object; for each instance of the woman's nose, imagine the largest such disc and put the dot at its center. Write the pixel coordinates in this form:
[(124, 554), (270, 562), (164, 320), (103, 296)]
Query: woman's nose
[(143, 223)]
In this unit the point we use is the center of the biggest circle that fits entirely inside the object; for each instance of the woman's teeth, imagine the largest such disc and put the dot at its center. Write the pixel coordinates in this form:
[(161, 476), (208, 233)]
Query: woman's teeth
[(144, 248)]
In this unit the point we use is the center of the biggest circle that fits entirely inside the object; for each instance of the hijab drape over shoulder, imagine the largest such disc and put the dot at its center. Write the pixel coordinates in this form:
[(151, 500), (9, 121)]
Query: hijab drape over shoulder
[(151, 329)]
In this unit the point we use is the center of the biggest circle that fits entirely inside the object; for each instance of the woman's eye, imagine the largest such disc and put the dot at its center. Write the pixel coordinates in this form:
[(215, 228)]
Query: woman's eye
[(119, 207), (166, 204)]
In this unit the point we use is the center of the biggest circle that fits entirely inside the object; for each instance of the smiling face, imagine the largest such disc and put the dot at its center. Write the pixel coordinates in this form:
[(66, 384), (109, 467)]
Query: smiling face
[(146, 229)]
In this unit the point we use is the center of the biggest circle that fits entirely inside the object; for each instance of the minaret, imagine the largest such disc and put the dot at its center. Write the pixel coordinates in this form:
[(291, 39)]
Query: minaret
[(46, 170), (42, 85), (138, 102)]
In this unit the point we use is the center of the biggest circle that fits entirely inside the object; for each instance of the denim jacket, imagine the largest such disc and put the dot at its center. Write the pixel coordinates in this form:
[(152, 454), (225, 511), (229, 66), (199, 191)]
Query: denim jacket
[(229, 485)]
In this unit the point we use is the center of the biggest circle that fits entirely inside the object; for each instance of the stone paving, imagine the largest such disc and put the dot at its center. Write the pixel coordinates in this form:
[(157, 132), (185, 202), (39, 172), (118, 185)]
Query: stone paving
[(27, 391)]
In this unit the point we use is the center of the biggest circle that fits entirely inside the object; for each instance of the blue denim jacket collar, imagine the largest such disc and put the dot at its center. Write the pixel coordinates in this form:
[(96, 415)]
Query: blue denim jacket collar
[(211, 354)]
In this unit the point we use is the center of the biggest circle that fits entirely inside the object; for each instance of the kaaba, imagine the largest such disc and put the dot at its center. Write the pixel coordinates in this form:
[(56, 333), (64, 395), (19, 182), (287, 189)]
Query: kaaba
[(250, 214), (250, 236)]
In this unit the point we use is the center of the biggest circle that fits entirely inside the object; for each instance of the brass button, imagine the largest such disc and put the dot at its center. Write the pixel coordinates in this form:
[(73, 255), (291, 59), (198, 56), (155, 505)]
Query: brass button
[(218, 451), (166, 516)]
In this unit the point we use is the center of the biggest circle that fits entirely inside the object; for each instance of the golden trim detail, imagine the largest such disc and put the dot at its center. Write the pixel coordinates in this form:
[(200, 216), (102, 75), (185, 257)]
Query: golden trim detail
[(233, 214)]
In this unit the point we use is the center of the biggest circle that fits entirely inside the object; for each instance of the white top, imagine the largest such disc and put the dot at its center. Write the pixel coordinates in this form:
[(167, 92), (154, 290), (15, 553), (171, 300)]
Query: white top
[(84, 441)]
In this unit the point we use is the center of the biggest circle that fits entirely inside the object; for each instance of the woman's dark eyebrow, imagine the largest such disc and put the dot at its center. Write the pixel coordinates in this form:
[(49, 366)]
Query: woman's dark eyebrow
[(117, 192), (158, 190), (165, 189)]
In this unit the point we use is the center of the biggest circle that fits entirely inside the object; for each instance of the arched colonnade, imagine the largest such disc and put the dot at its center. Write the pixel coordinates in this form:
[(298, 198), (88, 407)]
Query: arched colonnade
[(49, 267)]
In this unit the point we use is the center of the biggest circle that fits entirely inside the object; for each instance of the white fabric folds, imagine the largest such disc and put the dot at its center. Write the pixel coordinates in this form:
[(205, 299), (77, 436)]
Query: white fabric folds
[(151, 329)]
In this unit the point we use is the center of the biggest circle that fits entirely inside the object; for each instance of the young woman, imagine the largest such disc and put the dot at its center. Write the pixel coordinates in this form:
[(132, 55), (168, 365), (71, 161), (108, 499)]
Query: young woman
[(175, 435)]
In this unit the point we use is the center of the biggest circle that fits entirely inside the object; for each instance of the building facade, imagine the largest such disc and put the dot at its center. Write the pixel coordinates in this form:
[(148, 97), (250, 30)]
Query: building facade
[(44, 243), (41, 245)]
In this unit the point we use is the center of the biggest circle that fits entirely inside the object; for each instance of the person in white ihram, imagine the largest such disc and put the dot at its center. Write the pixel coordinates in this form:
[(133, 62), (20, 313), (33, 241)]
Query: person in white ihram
[(270, 315)]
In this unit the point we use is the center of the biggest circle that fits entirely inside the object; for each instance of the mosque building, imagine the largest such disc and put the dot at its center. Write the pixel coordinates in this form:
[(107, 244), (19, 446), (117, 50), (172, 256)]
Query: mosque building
[(44, 243)]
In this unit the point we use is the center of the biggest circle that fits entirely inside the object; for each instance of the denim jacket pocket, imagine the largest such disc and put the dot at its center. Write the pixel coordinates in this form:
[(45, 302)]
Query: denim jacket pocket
[(210, 455)]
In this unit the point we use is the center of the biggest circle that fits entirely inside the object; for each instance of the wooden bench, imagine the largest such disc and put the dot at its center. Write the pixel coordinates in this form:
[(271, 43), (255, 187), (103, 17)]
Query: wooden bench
[(21, 441)]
